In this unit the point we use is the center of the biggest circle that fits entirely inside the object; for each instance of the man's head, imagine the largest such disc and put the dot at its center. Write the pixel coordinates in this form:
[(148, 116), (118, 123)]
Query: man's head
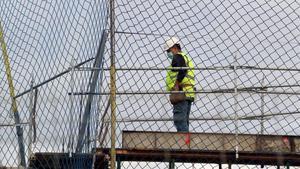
[(172, 47)]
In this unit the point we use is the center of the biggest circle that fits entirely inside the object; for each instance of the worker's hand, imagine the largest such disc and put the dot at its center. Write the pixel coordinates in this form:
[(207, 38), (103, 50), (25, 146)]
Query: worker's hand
[(177, 85)]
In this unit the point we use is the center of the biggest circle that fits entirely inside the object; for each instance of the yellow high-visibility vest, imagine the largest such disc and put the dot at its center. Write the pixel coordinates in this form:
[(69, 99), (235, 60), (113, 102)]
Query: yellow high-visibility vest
[(188, 81)]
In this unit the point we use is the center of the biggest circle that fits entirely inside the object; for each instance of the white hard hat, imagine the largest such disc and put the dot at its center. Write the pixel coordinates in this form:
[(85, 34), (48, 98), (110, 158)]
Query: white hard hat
[(170, 43)]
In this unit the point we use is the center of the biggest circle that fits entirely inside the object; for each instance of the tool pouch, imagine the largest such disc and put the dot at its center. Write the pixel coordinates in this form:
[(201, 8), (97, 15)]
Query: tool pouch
[(177, 97)]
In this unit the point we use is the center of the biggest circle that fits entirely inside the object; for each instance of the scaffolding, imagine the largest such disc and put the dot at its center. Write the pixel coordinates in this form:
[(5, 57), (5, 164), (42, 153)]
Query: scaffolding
[(85, 82)]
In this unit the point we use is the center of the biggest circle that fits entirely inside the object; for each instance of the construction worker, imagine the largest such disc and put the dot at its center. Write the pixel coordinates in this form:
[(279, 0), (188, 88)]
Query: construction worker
[(180, 80)]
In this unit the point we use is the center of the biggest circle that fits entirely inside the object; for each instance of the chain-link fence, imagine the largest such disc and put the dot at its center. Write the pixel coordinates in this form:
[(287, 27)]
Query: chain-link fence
[(45, 40), (246, 58)]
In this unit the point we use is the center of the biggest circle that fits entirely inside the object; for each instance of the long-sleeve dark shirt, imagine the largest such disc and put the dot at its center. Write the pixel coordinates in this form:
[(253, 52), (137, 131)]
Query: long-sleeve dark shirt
[(178, 61)]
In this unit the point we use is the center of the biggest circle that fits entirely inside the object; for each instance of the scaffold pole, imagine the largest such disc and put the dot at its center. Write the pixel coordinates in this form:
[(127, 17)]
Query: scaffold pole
[(16, 116)]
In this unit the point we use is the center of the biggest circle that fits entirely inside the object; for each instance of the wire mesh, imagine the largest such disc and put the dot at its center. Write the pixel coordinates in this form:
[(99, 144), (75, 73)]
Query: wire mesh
[(246, 55), (260, 38), (45, 39)]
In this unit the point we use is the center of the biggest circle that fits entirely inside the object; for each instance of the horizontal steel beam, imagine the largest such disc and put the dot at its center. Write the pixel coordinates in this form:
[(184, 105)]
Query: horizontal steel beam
[(197, 92), (230, 67), (201, 156)]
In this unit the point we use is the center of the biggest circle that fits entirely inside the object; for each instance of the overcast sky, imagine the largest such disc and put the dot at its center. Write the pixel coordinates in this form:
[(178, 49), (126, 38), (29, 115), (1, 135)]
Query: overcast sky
[(45, 37)]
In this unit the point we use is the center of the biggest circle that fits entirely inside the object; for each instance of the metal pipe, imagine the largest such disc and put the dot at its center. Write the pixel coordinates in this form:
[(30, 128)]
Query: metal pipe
[(262, 107), (71, 110), (170, 92), (52, 78), (170, 119), (112, 85), (157, 68), (205, 119), (230, 67), (103, 135), (236, 107), (92, 87), (16, 115), (267, 68), (185, 36), (99, 101), (34, 114), (31, 100), (77, 67), (14, 125)]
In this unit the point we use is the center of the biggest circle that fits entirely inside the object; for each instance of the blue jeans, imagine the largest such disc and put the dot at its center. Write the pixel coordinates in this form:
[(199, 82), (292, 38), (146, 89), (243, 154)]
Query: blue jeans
[(181, 113)]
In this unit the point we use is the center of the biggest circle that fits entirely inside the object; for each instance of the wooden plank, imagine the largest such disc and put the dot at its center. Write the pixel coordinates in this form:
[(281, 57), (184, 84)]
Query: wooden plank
[(209, 141), (139, 140)]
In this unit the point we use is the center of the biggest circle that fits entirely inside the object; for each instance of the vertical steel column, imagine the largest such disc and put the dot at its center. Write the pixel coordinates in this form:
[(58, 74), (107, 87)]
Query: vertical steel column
[(112, 85), (262, 128), (34, 114), (118, 163), (71, 112), (104, 36), (31, 100), (85, 121), (236, 107), (172, 164), (13, 100)]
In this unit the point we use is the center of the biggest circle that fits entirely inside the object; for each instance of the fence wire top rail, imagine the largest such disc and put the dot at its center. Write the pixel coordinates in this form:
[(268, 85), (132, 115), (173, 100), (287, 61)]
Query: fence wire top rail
[(187, 68)]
